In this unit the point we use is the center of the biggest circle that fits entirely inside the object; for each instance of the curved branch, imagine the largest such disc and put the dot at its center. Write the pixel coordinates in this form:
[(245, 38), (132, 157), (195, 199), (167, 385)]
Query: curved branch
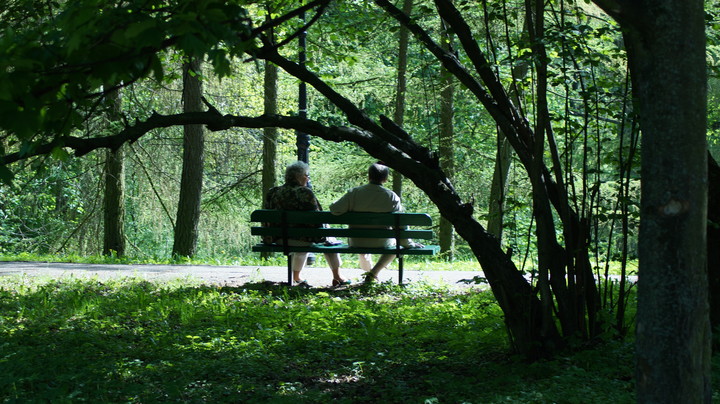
[(322, 6), (510, 123), (391, 134)]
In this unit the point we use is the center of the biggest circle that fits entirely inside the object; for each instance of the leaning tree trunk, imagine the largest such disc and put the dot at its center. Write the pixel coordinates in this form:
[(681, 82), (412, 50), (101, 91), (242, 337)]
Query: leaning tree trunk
[(188, 213), (114, 199), (673, 330)]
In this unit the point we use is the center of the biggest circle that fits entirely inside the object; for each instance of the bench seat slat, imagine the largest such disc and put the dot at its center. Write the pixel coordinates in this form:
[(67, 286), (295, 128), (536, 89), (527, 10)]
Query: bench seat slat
[(344, 248), (294, 232), (314, 217)]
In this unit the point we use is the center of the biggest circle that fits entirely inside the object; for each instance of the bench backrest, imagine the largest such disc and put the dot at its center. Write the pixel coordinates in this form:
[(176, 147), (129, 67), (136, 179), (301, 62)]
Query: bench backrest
[(282, 222)]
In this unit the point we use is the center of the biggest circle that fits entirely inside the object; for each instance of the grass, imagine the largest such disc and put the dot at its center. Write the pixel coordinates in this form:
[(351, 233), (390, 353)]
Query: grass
[(136, 341)]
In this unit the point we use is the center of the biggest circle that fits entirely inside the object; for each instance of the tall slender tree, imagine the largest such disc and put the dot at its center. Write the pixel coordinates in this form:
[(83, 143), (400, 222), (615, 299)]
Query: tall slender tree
[(401, 86), (503, 154), (114, 199), (188, 212), (270, 105), (446, 147), (270, 134)]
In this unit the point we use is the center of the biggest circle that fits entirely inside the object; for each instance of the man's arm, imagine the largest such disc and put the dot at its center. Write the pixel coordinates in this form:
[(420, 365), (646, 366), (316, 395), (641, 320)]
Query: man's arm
[(341, 206)]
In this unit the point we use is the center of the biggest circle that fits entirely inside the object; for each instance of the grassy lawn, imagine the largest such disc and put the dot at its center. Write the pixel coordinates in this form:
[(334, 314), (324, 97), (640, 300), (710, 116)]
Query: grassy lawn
[(136, 341)]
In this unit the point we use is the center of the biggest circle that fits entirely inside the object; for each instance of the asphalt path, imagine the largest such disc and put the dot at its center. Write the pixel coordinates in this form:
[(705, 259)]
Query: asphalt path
[(222, 275)]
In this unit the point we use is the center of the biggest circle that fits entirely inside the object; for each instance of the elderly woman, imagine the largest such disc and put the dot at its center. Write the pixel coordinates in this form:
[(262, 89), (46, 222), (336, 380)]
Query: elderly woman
[(295, 195)]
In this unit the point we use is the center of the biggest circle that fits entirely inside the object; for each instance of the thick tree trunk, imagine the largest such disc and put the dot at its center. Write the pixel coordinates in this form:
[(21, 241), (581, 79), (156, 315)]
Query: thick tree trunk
[(188, 213), (713, 252), (114, 199), (673, 332)]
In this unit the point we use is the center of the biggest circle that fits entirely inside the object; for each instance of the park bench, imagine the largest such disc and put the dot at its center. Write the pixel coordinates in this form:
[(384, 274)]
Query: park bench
[(281, 223)]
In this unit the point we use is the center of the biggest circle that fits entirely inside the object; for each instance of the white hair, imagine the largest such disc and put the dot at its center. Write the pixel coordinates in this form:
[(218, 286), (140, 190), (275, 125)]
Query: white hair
[(296, 169)]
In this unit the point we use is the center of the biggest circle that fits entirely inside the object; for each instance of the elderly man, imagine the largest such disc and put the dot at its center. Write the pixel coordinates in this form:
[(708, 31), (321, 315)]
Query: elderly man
[(372, 197)]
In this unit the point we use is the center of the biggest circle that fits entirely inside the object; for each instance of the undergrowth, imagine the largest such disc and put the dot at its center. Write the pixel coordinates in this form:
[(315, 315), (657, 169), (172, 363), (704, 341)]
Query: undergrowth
[(138, 341)]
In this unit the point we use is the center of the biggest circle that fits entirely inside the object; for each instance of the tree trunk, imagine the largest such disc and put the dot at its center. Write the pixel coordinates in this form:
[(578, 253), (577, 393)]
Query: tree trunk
[(114, 199), (269, 160), (713, 241), (271, 133), (188, 213), (673, 330), (496, 209), (446, 151), (401, 87), (503, 154)]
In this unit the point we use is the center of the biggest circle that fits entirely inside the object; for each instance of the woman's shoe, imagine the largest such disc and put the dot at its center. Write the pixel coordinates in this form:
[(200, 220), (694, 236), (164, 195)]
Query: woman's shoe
[(340, 282), (303, 284)]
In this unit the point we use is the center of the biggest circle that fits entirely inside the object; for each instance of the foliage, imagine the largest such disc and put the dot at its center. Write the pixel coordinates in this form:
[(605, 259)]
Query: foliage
[(56, 63), (134, 340)]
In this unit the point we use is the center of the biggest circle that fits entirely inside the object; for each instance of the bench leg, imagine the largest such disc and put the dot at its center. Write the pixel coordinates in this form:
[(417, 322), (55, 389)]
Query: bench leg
[(289, 265), (400, 269)]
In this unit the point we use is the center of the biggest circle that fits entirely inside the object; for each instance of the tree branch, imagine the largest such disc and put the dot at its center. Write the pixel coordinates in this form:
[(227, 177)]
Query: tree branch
[(355, 115), (323, 5), (212, 119)]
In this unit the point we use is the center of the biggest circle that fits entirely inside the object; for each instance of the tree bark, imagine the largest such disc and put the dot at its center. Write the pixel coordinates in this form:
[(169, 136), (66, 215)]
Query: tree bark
[(446, 150), (269, 160), (114, 199), (503, 154), (188, 213), (401, 87), (713, 241), (270, 133), (673, 330)]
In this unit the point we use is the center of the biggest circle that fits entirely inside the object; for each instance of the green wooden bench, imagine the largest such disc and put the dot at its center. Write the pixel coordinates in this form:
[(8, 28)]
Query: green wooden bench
[(279, 223)]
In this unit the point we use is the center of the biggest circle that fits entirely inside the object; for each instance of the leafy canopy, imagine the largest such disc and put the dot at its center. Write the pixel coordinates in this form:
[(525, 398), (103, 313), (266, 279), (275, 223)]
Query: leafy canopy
[(57, 61)]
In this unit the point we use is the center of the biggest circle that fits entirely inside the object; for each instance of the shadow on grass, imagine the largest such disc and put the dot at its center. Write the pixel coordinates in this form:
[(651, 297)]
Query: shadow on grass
[(264, 342)]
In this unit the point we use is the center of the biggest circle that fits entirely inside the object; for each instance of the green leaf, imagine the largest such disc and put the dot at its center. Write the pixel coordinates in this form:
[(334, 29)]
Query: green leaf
[(59, 153)]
